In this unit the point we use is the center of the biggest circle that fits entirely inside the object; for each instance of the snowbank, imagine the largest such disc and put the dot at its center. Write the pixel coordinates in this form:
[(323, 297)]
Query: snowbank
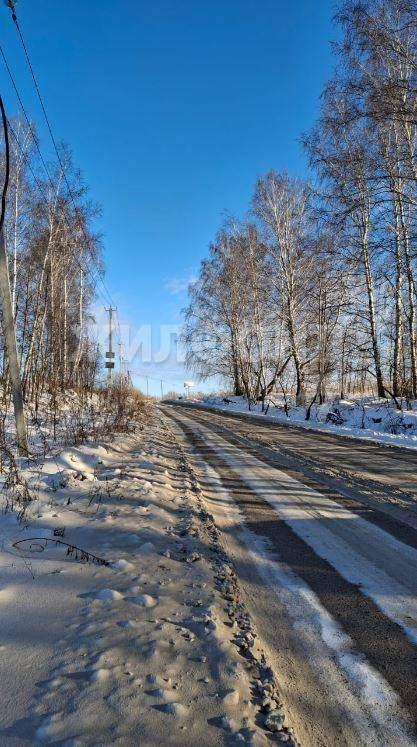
[(368, 419)]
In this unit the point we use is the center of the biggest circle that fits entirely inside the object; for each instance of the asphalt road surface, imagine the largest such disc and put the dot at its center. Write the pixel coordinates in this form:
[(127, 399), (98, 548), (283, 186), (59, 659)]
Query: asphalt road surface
[(323, 534)]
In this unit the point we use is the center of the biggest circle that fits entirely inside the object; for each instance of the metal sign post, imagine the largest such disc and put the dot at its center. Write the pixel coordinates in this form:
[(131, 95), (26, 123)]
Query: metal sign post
[(187, 387)]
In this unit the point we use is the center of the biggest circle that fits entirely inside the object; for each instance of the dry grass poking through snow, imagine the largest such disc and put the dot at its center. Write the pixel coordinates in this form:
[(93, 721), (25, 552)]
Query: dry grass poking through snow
[(70, 420)]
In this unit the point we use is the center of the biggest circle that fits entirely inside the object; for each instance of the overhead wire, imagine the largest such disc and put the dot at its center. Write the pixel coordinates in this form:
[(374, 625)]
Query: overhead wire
[(119, 335), (35, 178), (25, 114), (56, 149), (49, 127), (30, 128), (87, 271), (48, 123)]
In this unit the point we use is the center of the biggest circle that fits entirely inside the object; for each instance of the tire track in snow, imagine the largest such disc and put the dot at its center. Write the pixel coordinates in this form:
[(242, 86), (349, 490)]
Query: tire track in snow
[(290, 465), (376, 637), (392, 468)]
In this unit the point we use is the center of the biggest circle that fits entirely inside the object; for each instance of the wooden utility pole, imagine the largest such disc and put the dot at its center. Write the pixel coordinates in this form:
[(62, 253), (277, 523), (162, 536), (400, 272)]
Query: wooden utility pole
[(110, 352), (7, 311)]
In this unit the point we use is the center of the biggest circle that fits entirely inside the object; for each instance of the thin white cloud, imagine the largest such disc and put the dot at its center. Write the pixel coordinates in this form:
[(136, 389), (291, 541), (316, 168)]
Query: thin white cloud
[(178, 285)]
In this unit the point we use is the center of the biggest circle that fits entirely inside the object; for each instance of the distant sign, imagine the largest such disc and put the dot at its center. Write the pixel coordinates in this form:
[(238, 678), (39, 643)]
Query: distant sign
[(187, 384)]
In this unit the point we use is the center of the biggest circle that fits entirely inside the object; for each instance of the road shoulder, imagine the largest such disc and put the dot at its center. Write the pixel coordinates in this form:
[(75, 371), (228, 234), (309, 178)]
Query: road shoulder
[(158, 642)]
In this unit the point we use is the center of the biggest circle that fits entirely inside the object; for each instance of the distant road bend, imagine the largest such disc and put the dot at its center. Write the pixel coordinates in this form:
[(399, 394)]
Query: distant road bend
[(323, 534)]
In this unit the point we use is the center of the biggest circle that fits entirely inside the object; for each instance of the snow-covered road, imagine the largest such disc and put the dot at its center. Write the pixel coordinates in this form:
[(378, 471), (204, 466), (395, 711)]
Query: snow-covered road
[(328, 559)]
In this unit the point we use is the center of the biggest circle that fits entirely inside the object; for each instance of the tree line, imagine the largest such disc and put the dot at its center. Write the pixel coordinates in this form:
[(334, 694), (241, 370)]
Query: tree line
[(313, 293), (54, 264)]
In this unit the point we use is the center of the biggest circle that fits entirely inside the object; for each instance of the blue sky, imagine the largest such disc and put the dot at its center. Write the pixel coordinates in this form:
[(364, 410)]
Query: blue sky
[(172, 109)]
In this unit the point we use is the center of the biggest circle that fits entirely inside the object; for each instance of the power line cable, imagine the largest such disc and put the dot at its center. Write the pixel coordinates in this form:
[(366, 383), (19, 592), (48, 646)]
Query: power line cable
[(87, 272), (36, 180), (22, 106), (30, 127), (48, 123), (47, 120)]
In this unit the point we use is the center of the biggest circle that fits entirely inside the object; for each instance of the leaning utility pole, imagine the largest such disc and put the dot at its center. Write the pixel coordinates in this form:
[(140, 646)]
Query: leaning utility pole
[(8, 322)]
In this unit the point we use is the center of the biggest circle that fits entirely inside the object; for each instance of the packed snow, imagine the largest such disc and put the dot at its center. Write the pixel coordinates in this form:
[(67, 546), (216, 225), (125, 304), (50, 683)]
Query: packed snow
[(366, 418), (113, 622), (354, 681)]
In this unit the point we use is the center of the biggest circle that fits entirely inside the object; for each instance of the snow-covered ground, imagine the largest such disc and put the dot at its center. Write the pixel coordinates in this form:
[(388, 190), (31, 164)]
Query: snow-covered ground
[(367, 418), (70, 418), (121, 617)]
